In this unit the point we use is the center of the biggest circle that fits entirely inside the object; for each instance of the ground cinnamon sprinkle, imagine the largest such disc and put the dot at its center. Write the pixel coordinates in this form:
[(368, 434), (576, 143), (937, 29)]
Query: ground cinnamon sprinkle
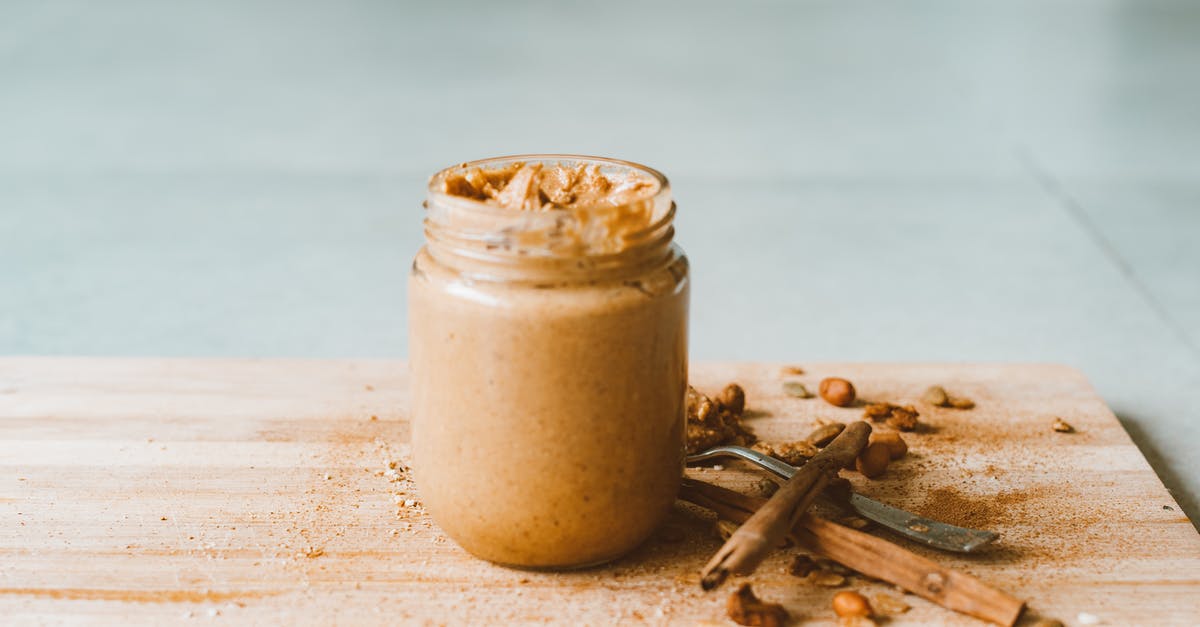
[(949, 505)]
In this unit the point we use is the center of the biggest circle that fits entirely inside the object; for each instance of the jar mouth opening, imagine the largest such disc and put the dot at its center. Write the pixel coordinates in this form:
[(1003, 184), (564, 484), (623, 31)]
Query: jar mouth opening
[(435, 192), (589, 227)]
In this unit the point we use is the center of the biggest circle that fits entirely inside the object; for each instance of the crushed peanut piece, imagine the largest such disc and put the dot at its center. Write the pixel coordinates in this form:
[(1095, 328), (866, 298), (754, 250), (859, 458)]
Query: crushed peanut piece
[(746, 609), (793, 453), (902, 418), (792, 370), (710, 424), (1062, 426)]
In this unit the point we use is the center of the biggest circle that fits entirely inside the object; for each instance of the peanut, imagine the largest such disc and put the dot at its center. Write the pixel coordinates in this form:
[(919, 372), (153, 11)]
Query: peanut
[(873, 460), (850, 603), (838, 392), (895, 444)]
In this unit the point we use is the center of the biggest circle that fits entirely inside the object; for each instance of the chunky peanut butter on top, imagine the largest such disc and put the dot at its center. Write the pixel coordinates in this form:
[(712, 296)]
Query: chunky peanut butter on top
[(537, 186)]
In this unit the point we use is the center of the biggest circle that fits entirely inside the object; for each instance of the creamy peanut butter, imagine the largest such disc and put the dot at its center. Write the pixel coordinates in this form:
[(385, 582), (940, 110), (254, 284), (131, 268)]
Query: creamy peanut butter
[(548, 399)]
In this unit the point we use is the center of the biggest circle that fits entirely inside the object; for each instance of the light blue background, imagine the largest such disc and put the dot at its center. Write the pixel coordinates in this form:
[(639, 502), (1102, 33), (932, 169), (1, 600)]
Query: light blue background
[(926, 181)]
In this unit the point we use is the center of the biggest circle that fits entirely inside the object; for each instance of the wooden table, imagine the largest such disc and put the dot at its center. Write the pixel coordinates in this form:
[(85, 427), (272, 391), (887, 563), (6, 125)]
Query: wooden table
[(147, 491)]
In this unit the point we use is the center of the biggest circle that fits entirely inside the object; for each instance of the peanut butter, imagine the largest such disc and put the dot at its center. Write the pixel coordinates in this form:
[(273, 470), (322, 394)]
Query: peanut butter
[(549, 372)]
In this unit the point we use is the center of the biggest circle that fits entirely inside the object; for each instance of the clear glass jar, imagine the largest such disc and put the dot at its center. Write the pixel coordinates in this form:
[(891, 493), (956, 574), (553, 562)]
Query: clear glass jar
[(548, 354)]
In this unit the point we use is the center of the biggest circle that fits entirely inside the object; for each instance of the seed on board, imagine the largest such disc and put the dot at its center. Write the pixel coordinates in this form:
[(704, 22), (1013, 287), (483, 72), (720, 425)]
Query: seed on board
[(837, 391), (824, 434), (936, 395), (797, 389)]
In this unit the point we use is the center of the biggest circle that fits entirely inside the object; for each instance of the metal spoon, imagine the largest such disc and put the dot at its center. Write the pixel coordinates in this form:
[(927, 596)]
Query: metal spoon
[(936, 534)]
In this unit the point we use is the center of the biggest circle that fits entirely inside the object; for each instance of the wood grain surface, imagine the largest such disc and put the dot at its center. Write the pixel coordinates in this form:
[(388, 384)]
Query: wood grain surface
[(149, 491)]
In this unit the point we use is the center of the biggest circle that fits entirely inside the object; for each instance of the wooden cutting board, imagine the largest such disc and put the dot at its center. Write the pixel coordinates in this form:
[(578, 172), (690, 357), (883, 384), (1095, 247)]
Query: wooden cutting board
[(150, 491)]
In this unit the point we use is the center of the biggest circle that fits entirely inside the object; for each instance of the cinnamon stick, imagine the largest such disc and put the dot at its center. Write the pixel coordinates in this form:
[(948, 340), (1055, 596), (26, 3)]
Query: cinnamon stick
[(767, 526), (871, 556)]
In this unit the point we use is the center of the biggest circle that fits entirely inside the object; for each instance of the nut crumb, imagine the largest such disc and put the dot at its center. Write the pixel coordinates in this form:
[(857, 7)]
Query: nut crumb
[(1048, 622), (792, 370), (746, 609), (313, 552), (766, 487), (1062, 426)]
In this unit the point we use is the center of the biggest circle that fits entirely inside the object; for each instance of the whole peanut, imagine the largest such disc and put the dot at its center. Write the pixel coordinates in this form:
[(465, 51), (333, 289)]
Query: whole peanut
[(838, 392), (850, 603), (873, 460), (895, 444)]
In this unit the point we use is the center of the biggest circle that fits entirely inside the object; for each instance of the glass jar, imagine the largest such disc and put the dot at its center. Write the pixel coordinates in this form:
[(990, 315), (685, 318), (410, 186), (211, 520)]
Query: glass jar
[(548, 354)]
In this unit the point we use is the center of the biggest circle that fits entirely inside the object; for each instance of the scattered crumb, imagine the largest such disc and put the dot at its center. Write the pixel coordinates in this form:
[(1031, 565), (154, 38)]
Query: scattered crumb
[(792, 370), (313, 552), (1062, 426)]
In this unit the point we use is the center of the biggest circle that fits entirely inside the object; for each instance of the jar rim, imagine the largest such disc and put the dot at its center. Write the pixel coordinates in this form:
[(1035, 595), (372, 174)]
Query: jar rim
[(434, 192), (569, 232)]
